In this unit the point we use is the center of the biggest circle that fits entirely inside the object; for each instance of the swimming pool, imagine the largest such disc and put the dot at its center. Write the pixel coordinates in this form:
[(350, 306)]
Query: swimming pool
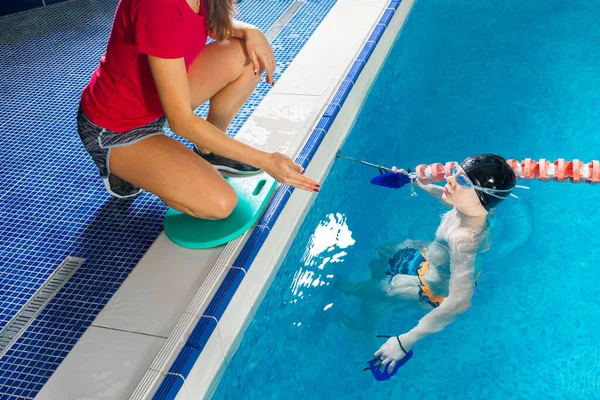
[(522, 80)]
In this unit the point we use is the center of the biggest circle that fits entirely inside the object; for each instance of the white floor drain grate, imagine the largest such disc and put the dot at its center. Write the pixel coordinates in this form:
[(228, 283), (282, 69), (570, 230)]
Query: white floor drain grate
[(283, 20), (15, 328)]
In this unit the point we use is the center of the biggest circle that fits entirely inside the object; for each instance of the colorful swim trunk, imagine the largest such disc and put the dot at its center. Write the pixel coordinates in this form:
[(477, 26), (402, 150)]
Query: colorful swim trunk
[(410, 261)]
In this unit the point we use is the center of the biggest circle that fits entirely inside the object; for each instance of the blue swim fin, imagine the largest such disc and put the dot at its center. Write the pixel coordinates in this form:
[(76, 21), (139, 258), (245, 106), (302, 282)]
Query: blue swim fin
[(375, 367), (387, 178), (392, 180), (375, 364)]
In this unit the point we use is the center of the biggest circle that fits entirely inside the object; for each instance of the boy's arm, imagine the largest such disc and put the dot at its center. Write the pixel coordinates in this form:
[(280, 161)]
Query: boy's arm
[(461, 289)]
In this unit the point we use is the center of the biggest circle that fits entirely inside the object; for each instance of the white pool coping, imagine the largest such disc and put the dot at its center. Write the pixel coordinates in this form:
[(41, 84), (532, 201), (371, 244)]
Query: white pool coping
[(136, 337)]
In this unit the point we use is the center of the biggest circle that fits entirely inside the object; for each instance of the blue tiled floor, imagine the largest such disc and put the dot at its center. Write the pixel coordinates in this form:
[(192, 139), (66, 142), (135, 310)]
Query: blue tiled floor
[(52, 204)]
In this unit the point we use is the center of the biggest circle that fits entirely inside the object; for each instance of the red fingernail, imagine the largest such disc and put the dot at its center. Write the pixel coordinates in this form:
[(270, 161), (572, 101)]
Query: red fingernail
[(316, 190), (318, 185)]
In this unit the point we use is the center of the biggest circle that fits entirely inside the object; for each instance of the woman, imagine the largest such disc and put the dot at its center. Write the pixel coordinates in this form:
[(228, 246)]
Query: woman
[(158, 69), (439, 276)]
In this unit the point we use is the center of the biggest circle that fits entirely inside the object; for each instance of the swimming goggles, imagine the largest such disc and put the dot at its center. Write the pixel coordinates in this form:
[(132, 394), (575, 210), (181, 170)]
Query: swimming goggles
[(463, 180)]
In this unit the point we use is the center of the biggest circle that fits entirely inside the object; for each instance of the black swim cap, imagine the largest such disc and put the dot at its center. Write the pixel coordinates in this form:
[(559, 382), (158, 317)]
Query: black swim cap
[(490, 171)]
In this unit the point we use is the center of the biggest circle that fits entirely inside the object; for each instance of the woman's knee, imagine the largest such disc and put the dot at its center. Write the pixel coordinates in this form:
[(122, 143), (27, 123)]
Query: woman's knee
[(223, 207), (214, 207), (245, 62)]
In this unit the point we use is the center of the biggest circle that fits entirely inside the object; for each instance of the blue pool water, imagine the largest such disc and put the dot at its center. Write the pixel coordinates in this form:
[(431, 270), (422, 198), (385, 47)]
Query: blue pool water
[(517, 78)]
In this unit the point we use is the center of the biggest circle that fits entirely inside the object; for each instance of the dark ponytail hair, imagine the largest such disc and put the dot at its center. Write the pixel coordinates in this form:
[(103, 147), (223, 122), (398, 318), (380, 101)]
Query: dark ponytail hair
[(219, 17)]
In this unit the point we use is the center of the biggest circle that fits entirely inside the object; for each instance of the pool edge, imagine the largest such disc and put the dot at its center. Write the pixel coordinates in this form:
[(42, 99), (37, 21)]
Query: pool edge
[(287, 206)]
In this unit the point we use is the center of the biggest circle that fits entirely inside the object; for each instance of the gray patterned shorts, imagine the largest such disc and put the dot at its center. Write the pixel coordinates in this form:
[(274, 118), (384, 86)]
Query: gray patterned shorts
[(99, 141)]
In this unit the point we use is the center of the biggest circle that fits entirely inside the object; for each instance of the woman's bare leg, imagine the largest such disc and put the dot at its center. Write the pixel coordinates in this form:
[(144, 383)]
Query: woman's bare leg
[(167, 168)]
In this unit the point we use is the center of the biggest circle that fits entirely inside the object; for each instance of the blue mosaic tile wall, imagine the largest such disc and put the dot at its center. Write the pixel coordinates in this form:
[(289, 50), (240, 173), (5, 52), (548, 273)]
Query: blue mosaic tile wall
[(52, 204)]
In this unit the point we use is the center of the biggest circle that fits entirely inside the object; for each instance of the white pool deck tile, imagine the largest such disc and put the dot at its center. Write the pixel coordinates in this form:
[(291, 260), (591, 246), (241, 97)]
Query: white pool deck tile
[(323, 63), (90, 374), (143, 327), (278, 121), (158, 291)]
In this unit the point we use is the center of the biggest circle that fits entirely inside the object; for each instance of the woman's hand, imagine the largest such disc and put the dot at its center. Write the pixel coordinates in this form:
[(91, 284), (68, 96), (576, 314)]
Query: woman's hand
[(287, 172), (260, 52)]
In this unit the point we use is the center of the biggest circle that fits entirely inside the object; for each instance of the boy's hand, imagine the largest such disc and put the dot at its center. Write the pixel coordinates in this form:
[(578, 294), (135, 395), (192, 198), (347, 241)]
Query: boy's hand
[(399, 171)]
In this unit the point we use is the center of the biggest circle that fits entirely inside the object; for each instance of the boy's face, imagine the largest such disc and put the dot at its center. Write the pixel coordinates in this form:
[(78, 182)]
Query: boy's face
[(457, 195)]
